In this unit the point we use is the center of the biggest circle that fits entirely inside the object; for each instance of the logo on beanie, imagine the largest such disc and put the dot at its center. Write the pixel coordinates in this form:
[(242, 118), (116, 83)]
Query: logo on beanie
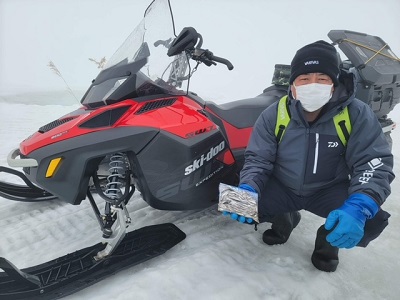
[(311, 62)]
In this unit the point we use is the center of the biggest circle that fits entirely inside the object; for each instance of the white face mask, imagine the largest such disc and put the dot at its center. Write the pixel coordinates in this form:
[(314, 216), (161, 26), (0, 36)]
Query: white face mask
[(314, 95)]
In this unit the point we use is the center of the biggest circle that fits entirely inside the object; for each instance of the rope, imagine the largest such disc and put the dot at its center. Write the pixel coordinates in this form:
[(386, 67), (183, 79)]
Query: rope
[(379, 51), (373, 50)]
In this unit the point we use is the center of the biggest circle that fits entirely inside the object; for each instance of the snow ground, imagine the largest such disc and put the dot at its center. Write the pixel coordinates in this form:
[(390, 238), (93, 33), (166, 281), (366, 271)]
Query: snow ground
[(219, 259)]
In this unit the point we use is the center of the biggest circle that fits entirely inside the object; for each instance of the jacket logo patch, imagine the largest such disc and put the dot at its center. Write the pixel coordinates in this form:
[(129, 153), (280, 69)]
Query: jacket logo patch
[(368, 174), (333, 144)]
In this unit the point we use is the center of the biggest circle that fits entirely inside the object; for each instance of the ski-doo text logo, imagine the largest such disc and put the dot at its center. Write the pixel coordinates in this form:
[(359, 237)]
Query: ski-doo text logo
[(311, 62), (198, 163), (368, 174)]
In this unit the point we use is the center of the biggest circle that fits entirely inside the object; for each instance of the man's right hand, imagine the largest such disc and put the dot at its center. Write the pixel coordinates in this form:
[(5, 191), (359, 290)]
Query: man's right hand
[(240, 218)]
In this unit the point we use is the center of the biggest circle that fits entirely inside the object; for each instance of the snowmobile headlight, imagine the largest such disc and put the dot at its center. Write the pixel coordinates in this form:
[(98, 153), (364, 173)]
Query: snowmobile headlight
[(53, 166)]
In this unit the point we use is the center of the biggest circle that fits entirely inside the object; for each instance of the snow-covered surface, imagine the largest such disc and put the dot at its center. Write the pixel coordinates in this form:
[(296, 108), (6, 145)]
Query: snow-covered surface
[(219, 259)]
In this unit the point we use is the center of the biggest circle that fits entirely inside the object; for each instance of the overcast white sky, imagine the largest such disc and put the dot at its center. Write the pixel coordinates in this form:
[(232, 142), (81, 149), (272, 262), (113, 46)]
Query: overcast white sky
[(254, 36)]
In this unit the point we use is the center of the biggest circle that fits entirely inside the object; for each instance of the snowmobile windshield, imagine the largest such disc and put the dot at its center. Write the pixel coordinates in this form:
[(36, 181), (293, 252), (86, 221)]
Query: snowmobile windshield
[(141, 69)]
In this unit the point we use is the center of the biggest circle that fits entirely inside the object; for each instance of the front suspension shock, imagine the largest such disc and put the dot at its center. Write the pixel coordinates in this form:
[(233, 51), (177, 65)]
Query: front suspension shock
[(113, 187)]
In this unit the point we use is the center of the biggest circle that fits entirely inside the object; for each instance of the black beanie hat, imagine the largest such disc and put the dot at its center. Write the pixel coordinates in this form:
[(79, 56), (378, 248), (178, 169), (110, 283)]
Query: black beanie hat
[(318, 57)]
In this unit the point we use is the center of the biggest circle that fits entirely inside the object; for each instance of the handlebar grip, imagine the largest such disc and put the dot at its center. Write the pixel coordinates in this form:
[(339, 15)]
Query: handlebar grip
[(223, 61)]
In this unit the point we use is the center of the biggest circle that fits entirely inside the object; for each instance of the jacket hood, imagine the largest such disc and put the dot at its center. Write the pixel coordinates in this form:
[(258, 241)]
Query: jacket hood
[(345, 91)]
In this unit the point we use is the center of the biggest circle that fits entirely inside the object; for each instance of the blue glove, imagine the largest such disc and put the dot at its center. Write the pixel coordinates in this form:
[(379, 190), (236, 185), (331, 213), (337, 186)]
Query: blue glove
[(245, 186), (240, 218), (349, 220)]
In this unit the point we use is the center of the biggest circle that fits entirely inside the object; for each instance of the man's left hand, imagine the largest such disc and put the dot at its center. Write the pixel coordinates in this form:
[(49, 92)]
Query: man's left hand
[(349, 220)]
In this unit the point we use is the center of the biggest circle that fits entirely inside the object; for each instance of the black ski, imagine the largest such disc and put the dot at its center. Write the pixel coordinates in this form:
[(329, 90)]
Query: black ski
[(25, 193), (73, 272)]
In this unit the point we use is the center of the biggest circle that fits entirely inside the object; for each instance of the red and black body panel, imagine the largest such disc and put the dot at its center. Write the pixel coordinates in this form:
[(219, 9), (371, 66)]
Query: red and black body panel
[(81, 157), (236, 120), (179, 156)]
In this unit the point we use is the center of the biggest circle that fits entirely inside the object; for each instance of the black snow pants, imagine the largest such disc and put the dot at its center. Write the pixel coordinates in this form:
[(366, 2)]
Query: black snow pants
[(276, 200)]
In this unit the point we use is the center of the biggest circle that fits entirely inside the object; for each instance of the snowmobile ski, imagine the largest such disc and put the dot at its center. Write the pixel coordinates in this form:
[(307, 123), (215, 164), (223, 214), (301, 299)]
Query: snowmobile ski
[(73, 272), (24, 193)]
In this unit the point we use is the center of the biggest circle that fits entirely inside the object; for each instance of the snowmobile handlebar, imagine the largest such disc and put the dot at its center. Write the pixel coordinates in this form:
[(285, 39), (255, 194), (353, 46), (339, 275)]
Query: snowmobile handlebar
[(208, 58), (223, 61)]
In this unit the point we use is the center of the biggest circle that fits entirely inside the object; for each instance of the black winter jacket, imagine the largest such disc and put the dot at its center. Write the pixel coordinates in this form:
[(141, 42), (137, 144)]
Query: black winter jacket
[(311, 156)]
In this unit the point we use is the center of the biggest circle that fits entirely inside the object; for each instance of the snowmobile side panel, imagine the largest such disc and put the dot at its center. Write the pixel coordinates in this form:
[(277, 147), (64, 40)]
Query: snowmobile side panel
[(186, 173), (73, 272), (238, 137), (80, 159)]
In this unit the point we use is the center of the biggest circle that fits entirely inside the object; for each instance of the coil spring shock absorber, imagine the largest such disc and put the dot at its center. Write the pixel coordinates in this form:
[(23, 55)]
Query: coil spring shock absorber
[(113, 191), (113, 187), (119, 177)]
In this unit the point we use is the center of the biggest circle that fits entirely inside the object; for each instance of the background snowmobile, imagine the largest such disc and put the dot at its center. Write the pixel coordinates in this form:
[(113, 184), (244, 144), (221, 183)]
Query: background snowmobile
[(139, 127)]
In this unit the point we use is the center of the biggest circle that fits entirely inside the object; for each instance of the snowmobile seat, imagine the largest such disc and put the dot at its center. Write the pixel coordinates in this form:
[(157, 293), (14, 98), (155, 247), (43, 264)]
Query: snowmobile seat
[(244, 113)]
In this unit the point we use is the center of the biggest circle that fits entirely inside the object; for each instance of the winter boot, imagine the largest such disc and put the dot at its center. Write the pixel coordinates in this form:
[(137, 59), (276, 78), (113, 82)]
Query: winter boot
[(281, 228), (325, 256)]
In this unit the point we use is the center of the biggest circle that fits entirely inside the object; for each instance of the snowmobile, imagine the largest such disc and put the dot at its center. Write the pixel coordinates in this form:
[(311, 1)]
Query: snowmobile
[(141, 128)]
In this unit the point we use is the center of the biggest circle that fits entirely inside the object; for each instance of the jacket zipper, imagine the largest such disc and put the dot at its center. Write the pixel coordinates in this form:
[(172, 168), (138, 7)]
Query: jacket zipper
[(316, 153), (304, 160)]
